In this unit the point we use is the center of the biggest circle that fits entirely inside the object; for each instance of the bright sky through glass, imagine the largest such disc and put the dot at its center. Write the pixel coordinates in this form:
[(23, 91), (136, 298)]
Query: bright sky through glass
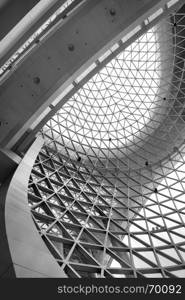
[(117, 103)]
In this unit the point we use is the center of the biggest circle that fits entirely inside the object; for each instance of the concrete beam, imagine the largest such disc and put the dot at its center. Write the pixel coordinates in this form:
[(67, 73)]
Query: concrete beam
[(11, 12), (63, 55), (22, 31)]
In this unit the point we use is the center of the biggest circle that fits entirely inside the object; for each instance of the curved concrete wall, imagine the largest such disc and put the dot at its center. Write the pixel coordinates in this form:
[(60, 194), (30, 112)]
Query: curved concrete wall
[(28, 255)]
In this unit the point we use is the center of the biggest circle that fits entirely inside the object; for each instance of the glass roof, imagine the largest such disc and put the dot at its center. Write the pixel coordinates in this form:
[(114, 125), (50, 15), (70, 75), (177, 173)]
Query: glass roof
[(117, 102), (135, 201)]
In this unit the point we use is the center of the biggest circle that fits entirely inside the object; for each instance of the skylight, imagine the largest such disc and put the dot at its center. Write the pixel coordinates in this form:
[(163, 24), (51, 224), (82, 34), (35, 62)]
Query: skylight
[(117, 102)]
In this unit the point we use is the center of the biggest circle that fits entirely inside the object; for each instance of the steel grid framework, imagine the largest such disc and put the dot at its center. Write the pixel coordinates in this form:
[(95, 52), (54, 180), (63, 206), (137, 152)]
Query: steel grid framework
[(110, 203)]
